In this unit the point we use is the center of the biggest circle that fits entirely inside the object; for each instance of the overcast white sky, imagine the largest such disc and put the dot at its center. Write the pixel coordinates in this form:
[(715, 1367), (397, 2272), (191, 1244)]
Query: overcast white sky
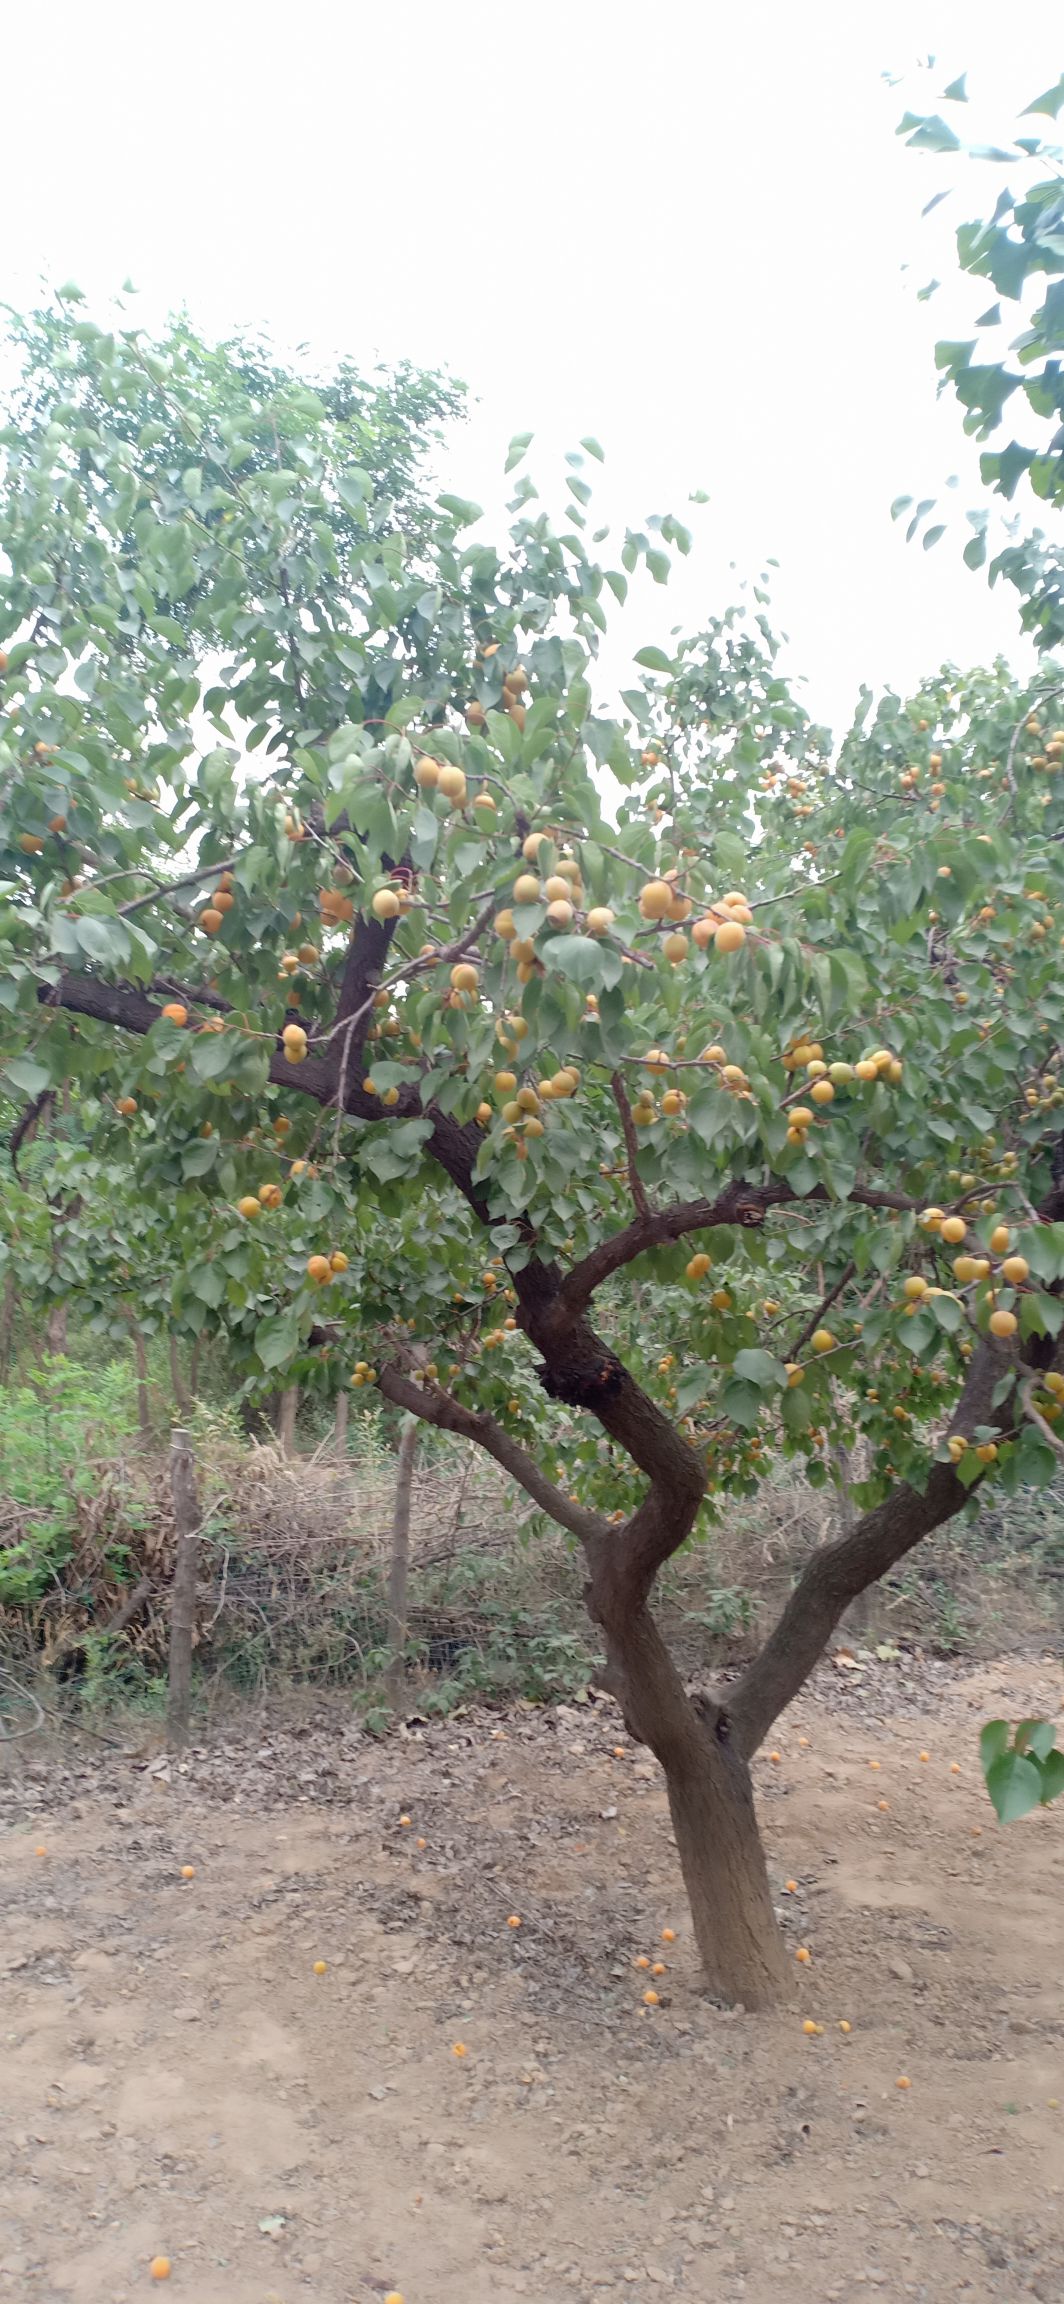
[(682, 228)]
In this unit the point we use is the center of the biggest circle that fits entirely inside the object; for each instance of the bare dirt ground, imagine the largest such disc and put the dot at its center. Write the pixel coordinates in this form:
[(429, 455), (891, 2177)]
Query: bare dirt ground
[(177, 2079)]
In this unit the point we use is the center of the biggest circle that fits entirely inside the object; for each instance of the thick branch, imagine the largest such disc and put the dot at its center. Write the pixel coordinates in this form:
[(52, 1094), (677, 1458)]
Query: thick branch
[(839, 1572), (448, 1414), (746, 1204)]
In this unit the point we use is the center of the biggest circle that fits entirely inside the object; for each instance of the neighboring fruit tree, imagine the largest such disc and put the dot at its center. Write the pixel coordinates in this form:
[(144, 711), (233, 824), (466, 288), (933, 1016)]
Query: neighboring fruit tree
[(539, 1062)]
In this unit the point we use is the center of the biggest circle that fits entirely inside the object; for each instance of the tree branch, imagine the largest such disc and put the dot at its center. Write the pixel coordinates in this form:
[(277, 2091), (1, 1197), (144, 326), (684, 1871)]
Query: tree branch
[(631, 1146), (815, 1318), (436, 1407), (839, 1572)]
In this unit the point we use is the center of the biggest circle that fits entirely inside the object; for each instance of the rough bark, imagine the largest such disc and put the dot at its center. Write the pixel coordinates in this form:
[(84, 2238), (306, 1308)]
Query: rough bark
[(178, 1386), (399, 1564), (183, 1590), (343, 1405), (55, 1329), (711, 1802), (286, 1419)]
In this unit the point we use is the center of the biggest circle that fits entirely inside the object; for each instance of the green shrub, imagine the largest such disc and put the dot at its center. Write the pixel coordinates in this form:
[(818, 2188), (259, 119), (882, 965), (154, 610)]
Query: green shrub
[(53, 1428)]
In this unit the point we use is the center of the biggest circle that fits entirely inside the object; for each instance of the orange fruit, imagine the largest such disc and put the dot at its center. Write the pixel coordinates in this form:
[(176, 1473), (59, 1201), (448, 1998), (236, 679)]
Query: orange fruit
[(404, 1821), (844, 2026), (514, 1920), (188, 1871), (393, 2297), (41, 1850), (790, 1887), (176, 1012), (650, 2000), (954, 1767), (810, 2028), (321, 1967), (873, 1763), (319, 1269), (776, 1756), (159, 2268), (803, 1954), (903, 2081), (459, 2048), (925, 1755), (125, 1105), (211, 920), (883, 1804), (668, 1935), (659, 1968)]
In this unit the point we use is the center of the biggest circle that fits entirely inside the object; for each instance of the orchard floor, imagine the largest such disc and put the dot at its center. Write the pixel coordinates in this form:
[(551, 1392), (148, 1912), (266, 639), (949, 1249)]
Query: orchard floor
[(178, 2080)]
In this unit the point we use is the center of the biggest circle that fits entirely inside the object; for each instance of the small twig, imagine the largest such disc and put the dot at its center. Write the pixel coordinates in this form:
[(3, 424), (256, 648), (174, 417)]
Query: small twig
[(1035, 1417), (631, 1145), (815, 1318)]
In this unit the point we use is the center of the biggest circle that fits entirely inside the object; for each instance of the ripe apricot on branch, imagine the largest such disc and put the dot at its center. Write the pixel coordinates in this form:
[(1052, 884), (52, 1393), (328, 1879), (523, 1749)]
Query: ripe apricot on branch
[(249, 1206), (1003, 1323), (294, 1042), (464, 977), (211, 920), (175, 1012), (730, 936), (699, 1266), (655, 898), (385, 904), (822, 1340), (952, 1229), (319, 1269)]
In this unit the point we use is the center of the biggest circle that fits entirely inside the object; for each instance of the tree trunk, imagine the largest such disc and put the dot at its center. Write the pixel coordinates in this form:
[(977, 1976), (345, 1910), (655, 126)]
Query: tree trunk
[(178, 1386), (711, 1802), (194, 1368), (712, 1806), (7, 1324), (286, 1419), (183, 1591), (140, 1356), (55, 1328), (399, 1568), (343, 1403)]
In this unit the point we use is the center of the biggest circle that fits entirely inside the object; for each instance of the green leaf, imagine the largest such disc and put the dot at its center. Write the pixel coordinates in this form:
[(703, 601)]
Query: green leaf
[(659, 566), (277, 1340), (994, 1739), (584, 959), (654, 659), (760, 1368), (1036, 1737), (30, 1078), (1015, 1786), (593, 448), (742, 1403), (462, 509), (1052, 1777), (1051, 102)]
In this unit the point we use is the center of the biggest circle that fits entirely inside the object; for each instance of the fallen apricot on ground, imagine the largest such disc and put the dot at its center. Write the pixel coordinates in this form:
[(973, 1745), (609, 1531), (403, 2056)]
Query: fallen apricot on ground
[(160, 2267), (668, 1935), (188, 1871), (321, 1967), (803, 1954), (650, 2000)]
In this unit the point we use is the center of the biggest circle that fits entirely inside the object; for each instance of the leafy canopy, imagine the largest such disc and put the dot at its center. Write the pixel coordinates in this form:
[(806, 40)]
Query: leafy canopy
[(293, 751)]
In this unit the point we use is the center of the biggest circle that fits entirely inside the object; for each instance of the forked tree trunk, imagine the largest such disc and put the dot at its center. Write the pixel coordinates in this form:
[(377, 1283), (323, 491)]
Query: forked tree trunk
[(712, 1806)]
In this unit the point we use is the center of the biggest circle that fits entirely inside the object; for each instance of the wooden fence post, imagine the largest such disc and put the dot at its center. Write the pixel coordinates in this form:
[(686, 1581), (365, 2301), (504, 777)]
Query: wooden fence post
[(183, 1589), (399, 1568), (286, 1419), (343, 1402)]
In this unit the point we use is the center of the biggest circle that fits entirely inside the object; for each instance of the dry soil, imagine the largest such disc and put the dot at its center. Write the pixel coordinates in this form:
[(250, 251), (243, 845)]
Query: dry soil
[(178, 2080)]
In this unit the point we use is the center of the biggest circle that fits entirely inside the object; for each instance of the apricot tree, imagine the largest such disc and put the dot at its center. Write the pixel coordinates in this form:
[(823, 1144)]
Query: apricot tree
[(454, 1016)]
